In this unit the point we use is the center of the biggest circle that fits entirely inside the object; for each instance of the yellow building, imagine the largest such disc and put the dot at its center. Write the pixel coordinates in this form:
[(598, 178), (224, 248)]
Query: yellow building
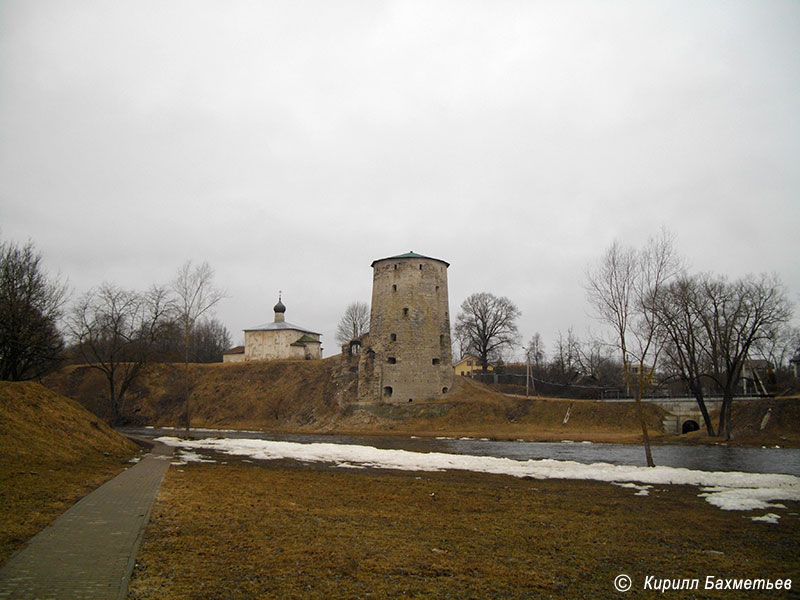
[(470, 365)]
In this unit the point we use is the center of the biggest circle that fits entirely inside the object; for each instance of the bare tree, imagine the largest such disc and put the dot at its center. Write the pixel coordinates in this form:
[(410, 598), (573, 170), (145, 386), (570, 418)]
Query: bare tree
[(209, 340), (624, 289), (488, 323), (195, 295), (680, 310), (739, 315), (354, 322), (30, 308), (595, 359), (778, 346), (115, 332), (566, 357), (534, 351)]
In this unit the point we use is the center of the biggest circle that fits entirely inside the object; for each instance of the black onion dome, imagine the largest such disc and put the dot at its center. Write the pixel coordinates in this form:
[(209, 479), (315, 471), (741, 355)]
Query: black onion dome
[(279, 307)]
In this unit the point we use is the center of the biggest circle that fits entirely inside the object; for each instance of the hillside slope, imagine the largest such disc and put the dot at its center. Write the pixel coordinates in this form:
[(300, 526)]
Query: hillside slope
[(312, 396), (315, 396), (52, 452)]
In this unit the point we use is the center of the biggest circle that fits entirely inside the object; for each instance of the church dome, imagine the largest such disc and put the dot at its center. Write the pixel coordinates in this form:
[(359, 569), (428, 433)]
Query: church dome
[(279, 307)]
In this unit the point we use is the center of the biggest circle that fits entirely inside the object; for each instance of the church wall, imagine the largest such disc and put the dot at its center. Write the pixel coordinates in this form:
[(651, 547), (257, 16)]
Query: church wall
[(276, 344)]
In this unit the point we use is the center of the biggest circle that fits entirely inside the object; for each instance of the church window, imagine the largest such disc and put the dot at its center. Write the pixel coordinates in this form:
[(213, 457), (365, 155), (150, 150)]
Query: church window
[(394, 287), (444, 390), (420, 267), (405, 312), (387, 391), (391, 360), (393, 337), (435, 361)]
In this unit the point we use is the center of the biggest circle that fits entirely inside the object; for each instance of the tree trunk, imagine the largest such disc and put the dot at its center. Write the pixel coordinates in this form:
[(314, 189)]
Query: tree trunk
[(725, 415), (704, 411), (728, 430), (645, 435), (186, 415), (113, 397)]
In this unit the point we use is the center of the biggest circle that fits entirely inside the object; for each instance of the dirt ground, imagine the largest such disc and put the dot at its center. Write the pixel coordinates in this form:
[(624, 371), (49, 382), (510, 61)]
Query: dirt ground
[(284, 530)]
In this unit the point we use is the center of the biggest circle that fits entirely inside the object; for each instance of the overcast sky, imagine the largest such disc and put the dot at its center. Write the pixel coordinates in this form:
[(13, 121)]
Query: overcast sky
[(290, 144)]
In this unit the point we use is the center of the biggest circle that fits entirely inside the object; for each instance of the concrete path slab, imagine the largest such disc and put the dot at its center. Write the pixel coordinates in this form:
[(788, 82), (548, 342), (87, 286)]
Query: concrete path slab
[(90, 550)]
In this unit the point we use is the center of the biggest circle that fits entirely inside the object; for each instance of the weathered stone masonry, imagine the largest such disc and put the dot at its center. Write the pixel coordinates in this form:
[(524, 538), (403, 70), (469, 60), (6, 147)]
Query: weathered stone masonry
[(406, 355)]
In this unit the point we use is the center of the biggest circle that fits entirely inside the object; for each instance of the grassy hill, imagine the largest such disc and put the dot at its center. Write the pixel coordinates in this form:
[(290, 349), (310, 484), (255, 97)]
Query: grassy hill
[(52, 452), (311, 396)]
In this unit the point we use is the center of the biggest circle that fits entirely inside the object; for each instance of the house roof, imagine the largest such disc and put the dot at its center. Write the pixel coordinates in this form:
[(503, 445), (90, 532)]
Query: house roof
[(306, 339), (281, 325), (235, 350), (409, 255)]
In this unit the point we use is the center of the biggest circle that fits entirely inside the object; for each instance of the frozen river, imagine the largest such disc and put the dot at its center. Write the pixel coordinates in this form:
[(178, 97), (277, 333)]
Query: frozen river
[(706, 458)]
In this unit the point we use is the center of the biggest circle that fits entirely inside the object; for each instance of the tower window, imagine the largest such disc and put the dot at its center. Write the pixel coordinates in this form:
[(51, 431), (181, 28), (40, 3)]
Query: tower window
[(394, 287), (391, 360), (420, 267), (435, 361), (405, 312), (387, 391), (444, 389), (393, 337), (395, 267), (437, 288)]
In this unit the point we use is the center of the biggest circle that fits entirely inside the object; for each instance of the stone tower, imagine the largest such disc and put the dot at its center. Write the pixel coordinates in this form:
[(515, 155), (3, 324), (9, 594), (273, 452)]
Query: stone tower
[(407, 355)]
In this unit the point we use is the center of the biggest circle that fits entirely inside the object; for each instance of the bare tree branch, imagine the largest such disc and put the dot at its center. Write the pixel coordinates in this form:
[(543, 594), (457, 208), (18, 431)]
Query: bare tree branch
[(354, 322), (488, 324)]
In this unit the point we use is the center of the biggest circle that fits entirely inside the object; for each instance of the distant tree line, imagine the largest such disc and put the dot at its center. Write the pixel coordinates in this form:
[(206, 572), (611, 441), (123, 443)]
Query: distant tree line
[(109, 328), (667, 329)]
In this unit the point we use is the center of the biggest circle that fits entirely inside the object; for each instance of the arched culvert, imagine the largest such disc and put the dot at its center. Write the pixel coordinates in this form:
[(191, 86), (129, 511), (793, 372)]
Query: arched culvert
[(689, 426)]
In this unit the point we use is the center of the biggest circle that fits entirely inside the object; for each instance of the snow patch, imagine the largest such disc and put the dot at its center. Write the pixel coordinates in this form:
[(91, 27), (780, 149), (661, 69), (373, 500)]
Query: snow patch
[(187, 456), (726, 490), (641, 490), (728, 498), (767, 518)]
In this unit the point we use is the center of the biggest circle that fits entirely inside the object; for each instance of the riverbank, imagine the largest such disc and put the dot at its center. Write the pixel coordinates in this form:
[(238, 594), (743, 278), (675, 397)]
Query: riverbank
[(307, 397), (281, 529)]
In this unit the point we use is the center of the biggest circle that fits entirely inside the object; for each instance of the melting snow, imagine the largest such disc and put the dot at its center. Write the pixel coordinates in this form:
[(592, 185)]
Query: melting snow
[(767, 518), (187, 456), (642, 490), (726, 490)]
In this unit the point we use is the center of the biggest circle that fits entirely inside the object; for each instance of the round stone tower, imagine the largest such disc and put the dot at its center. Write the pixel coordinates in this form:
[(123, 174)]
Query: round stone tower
[(409, 334)]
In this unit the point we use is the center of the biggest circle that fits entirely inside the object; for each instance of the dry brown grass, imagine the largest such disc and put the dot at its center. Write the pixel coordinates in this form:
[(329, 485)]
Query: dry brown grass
[(306, 396), (52, 452), (278, 530)]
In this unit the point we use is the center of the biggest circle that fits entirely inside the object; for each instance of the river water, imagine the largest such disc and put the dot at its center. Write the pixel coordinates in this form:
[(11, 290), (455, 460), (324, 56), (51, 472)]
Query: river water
[(705, 458)]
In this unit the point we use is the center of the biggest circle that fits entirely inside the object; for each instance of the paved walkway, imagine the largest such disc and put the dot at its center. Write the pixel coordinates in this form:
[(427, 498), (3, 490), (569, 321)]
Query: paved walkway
[(89, 551)]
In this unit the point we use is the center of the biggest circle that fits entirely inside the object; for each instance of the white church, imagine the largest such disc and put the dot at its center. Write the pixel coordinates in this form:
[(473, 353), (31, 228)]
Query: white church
[(277, 340)]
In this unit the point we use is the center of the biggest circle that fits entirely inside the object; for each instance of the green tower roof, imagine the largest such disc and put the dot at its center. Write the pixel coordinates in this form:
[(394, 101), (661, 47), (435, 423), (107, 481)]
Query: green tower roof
[(410, 255)]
